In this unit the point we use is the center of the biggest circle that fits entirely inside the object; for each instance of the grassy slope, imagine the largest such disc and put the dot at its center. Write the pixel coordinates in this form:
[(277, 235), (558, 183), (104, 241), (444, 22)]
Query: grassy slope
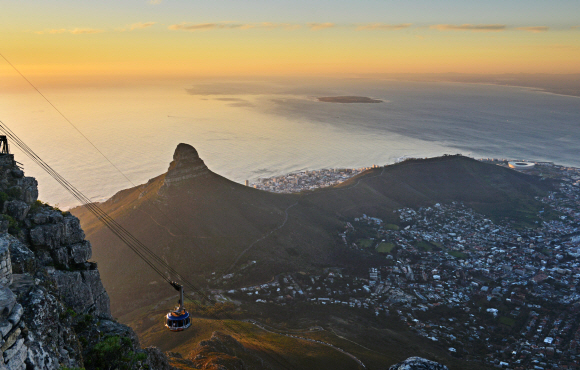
[(378, 346)]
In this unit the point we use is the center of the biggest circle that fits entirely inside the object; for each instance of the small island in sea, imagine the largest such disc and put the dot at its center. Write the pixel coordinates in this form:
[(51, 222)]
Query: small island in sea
[(348, 99)]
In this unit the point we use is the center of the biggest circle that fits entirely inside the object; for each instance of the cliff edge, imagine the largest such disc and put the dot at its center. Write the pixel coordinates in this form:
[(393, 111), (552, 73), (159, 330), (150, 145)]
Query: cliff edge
[(54, 310)]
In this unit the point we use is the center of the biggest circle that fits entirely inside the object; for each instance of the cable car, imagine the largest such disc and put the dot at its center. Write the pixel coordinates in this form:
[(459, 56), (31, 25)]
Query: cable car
[(179, 319)]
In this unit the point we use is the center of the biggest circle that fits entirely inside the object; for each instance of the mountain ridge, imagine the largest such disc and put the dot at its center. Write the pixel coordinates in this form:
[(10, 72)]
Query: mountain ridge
[(201, 222)]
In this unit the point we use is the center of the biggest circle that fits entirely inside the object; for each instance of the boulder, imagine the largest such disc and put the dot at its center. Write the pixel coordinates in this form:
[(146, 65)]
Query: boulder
[(15, 349), (157, 360), (4, 225), (16, 314), (49, 235), (10, 339), (113, 328), (40, 218), (55, 217), (5, 328), (73, 233), (42, 313), (81, 252), (61, 257), (29, 187), (17, 209), (100, 297), (418, 363), (21, 257), (62, 230), (5, 264), (73, 291)]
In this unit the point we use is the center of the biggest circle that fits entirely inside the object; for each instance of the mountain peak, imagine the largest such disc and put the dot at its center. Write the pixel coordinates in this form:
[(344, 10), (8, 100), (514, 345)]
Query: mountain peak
[(186, 165), (184, 151)]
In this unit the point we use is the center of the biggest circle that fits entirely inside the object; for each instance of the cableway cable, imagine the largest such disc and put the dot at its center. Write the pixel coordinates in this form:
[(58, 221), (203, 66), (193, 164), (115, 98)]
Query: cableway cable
[(140, 249), (94, 146), (156, 263)]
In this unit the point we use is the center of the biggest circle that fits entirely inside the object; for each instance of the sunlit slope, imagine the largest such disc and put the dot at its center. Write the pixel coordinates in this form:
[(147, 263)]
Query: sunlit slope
[(200, 222), (377, 343)]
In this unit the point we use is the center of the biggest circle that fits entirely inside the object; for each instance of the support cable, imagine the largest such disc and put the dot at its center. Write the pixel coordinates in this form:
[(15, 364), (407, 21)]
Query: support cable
[(140, 249)]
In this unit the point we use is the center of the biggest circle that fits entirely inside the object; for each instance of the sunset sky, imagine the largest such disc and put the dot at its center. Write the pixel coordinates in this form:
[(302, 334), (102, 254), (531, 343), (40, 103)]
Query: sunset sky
[(269, 37)]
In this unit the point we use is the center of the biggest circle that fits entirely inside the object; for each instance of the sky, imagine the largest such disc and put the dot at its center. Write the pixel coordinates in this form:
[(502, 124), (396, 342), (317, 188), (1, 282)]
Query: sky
[(61, 40)]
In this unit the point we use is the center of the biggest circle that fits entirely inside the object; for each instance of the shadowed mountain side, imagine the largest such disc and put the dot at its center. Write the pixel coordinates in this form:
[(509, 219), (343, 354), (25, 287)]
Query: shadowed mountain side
[(200, 222)]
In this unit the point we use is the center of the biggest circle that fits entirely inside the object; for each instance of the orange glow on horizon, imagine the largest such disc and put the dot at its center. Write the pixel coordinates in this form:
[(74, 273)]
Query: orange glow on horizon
[(282, 51)]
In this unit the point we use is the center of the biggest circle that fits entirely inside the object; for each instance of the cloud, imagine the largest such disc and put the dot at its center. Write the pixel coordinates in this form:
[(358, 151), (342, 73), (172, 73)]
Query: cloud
[(75, 31), (320, 26), (227, 25), (203, 26), (383, 26), (140, 25), (533, 29), (470, 27), (155, 2)]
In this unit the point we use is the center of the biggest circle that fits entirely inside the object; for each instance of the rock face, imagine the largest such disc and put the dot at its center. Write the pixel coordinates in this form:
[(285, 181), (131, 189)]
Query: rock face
[(186, 165), (418, 363), (54, 310)]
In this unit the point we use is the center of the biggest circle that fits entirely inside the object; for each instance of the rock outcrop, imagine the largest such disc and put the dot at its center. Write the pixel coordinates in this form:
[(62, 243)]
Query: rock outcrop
[(418, 363), (186, 164), (54, 310)]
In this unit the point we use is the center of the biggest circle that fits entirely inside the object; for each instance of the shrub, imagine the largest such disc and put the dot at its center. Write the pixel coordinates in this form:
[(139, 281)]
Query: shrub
[(37, 205), (113, 352), (14, 192), (13, 226), (3, 198)]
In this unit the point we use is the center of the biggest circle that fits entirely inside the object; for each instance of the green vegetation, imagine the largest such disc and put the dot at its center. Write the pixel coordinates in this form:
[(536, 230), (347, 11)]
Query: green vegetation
[(365, 243), (37, 205), (68, 313), (83, 323), (457, 254), (3, 198), (424, 246), (113, 352), (14, 192), (385, 247), (13, 226), (391, 227), (507, 321)]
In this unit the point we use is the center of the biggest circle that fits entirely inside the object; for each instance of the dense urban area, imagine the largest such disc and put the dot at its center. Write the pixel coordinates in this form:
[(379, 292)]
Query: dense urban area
[(500, 292), (306, 180)]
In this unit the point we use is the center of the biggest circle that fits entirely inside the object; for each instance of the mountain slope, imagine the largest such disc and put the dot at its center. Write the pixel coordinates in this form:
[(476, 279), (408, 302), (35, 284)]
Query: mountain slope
[(200, 222)]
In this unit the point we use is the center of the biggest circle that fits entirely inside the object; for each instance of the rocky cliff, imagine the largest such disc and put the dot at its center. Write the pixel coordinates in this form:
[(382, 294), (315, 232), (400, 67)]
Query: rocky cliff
[(54, 310)]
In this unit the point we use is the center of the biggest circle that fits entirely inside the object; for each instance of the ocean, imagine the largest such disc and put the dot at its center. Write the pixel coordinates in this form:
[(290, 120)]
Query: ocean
[(247, 129)]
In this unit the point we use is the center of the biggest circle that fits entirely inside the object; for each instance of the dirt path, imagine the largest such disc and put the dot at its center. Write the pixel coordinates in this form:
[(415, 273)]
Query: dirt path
[(255, 323)]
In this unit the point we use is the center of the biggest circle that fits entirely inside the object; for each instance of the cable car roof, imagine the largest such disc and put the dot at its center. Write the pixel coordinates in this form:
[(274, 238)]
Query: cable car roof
[(175, 315)]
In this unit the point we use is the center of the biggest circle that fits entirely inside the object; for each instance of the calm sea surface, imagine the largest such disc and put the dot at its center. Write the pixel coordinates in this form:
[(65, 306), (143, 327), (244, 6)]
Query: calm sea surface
[(250, 129)]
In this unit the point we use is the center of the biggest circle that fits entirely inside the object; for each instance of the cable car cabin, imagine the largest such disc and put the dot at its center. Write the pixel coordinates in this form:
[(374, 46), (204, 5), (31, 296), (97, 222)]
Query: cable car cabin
[(178, 320)]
